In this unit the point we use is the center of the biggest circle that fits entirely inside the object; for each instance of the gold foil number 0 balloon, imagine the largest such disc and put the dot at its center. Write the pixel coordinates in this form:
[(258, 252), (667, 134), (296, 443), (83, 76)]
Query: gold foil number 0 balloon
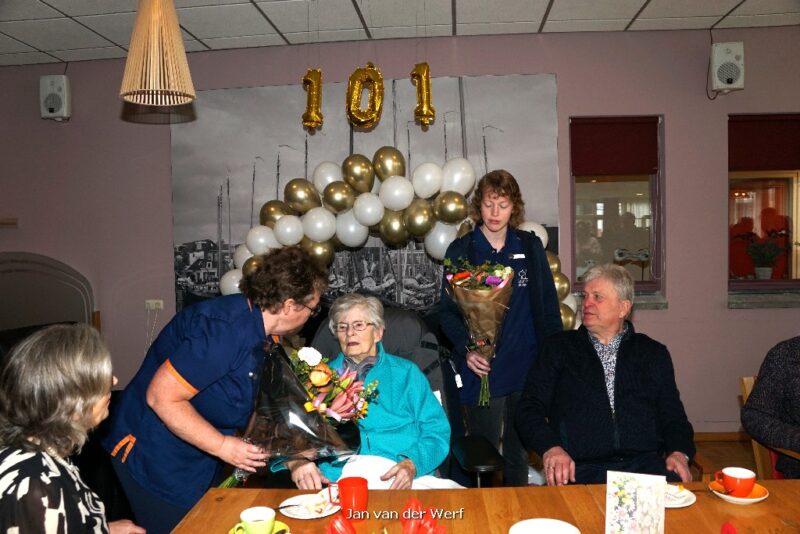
[(371, 79), (312, 83), (424, 113)]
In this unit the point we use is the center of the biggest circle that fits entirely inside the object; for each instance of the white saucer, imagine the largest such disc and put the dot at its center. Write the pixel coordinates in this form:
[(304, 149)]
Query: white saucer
[(678, 497), (543, 525), (301, 512)]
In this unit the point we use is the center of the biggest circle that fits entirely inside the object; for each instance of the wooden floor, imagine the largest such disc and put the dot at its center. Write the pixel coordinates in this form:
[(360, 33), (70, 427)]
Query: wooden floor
[(728, 453)]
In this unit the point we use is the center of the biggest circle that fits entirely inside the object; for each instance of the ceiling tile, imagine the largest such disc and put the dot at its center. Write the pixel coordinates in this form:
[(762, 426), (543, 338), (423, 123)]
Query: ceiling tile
[(755, 21), (297, 17), (83, 54), (191, 45), (767, 7), (53, 34), (247, 41), (326, 36), (594, 9), (29, 58), (584, 25), (117, 28), (383, 14), (199, 3), (239, 20), (474, 11), (663, 9), (483, 28), (693, 23), (12, 46), (400, 32), (26, 9), (76, 8)]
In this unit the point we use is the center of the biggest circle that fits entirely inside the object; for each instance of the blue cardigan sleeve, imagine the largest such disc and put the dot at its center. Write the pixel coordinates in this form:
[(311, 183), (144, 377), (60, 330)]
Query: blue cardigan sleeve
[(451, 320)]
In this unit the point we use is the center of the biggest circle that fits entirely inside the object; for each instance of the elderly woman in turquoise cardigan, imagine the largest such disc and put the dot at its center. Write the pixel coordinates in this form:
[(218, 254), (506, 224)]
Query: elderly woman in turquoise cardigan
[(405, 423)]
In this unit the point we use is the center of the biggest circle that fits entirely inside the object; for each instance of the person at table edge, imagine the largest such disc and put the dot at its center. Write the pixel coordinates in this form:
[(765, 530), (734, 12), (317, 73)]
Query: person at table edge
[(604, 397)]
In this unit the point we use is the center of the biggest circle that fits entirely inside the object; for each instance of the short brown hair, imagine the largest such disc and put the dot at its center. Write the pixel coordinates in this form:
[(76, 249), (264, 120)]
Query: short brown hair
[(501, 183), (286, 273)]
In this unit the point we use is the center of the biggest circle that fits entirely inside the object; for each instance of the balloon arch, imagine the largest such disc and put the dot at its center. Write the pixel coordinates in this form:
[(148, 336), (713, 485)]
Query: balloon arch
[(343, 204)]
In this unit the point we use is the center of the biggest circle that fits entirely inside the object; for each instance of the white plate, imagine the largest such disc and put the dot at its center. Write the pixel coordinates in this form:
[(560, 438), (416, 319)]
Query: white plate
[(296, 508), (678, 497), (543, 525)]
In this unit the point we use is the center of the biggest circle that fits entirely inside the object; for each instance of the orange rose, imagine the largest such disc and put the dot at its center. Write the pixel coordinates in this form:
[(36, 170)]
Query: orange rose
[(320, 375)]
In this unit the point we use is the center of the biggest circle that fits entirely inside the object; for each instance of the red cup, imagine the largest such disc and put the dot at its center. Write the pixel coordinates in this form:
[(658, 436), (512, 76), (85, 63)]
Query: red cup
[(737, 481), (352, 494)]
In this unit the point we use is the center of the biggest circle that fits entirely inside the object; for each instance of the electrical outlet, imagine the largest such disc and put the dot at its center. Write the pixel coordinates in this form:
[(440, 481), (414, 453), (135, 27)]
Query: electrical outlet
[(153, 304)]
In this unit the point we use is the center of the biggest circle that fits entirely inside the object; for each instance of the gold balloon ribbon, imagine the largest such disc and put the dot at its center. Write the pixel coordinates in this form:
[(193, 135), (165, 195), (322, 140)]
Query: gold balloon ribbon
[(370, 78), (312, 83), (424, 113)]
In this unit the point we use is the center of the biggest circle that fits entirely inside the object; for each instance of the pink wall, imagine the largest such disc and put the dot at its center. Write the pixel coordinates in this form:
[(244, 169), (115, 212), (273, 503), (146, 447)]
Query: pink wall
[(95, 192)]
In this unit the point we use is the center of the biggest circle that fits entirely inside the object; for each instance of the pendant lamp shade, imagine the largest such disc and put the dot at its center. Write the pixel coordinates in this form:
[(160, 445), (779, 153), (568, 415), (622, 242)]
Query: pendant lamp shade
[(156, 72)]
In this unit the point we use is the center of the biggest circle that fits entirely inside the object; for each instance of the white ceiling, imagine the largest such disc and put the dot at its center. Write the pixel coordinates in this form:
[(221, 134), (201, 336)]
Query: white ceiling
[(53, 31)]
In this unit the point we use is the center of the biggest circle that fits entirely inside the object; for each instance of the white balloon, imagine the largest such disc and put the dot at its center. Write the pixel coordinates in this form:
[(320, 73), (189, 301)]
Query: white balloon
[(261, 239), (368, 209), (427, 179), (241, 255), (571, 301), (439, 238), (536, 228), (319, 224), (326, 173), (458, 175), (229, 283), (289, 230), (397, 193), (349, 231)]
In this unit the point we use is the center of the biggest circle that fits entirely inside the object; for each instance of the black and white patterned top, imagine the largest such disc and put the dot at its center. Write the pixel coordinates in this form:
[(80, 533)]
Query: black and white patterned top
[(40, 493), (608, 357)]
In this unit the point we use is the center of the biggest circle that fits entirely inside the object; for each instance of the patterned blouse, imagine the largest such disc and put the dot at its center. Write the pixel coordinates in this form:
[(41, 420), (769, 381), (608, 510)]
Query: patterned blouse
[(608, 357), (40, 493)]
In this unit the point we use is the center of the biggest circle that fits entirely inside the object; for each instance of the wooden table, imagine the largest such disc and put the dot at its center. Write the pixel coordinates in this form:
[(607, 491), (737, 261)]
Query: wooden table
[(494, 510)]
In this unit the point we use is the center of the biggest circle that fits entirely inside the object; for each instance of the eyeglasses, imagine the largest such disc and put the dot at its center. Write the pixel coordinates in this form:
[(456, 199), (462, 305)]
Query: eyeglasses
[(314, 311), (358, 326)]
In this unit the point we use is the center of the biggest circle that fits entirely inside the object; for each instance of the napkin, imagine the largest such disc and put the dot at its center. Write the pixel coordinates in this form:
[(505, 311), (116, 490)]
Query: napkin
[(634, 503)]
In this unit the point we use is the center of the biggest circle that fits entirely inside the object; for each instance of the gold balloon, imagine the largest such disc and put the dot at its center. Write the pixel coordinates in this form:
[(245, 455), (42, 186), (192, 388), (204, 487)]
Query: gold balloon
[(273, 210), (562, 285), (339, 196), (418, 217), (567, 317), (358, 172), (424, 113), (388, 161), (321, 253), (465, 228), (301, 195), (553, 261), (370, 78), (450, 207), (312, 83), (392, 229), (251, 265)]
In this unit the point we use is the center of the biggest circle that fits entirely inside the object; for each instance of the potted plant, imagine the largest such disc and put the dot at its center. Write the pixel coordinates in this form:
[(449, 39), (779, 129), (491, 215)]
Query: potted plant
[(764, 253)]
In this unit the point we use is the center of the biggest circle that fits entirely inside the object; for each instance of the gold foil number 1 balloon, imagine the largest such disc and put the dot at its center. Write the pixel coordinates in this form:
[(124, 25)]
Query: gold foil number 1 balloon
[(424, 113), (312, 83), (371, 79)]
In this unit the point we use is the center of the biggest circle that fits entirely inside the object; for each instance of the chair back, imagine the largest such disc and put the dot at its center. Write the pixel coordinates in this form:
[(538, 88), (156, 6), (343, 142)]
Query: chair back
[(764, 456)]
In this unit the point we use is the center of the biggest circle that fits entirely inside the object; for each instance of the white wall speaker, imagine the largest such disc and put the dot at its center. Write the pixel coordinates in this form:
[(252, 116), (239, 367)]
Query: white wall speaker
[(727, 66), (54, 97)]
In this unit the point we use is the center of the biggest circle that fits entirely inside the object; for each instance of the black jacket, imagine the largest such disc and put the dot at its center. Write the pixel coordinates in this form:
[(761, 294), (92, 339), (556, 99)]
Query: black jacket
[(565, 402)]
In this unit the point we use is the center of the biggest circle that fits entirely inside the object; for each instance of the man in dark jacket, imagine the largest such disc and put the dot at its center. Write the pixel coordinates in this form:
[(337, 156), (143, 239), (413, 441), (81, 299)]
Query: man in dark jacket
[(604, 397)]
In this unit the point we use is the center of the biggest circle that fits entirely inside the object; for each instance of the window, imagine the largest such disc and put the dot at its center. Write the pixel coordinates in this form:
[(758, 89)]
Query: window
[(616, 183), (763, 210)]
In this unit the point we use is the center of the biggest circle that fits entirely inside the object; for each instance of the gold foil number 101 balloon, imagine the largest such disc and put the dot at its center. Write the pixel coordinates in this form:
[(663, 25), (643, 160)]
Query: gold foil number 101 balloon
[(312, 83), (424, 113), (371, 79)]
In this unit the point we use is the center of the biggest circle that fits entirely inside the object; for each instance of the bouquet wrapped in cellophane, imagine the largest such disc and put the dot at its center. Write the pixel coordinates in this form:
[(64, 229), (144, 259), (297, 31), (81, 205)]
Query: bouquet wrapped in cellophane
[(482, 293), (300, 400)]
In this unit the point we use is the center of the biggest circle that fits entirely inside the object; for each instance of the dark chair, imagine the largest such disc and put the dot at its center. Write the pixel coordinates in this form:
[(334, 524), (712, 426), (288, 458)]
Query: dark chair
[(408, 336)]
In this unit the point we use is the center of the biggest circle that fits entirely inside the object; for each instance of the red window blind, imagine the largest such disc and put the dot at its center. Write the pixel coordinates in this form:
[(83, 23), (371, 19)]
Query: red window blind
[(614, 145), (764, 142)]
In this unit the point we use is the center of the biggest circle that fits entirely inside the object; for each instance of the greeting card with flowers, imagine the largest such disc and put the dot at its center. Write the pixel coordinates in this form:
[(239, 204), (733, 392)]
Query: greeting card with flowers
[(634, 503)]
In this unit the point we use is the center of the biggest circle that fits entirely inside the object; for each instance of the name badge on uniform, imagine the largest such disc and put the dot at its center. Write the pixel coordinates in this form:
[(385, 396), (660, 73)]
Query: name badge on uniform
[(517, 256)]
